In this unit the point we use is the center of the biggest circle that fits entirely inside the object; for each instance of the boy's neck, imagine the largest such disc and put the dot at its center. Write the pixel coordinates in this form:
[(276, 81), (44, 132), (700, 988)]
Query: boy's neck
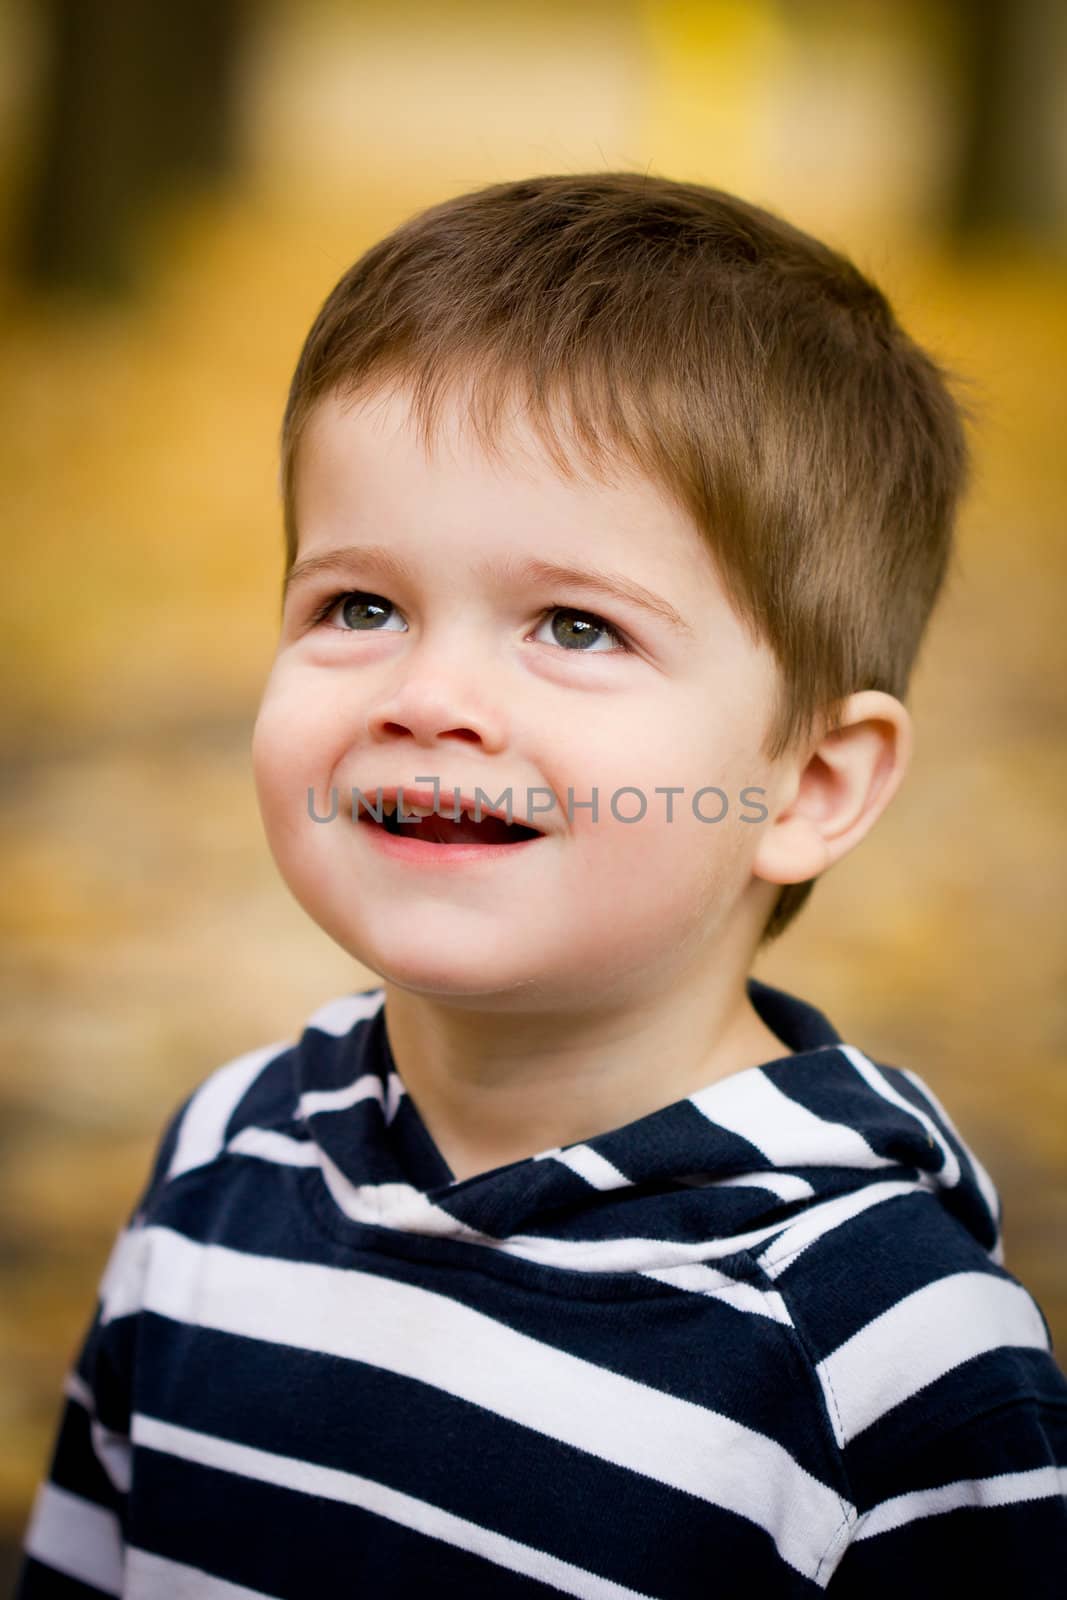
[(493, 1088)]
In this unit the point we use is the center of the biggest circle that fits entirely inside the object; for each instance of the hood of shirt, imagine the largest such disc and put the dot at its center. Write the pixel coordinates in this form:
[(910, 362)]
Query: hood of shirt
[(786, 1144)]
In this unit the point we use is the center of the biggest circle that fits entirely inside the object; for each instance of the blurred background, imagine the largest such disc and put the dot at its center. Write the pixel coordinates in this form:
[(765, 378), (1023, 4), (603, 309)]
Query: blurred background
[(180, 187)]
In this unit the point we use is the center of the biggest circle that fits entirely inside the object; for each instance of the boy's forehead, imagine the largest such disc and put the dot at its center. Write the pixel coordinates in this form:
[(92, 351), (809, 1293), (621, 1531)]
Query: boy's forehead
[(507, 438), (368, 450)]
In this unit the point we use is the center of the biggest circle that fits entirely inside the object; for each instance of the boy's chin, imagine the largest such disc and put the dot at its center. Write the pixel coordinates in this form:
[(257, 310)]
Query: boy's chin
[(454, 982), (473, 982)]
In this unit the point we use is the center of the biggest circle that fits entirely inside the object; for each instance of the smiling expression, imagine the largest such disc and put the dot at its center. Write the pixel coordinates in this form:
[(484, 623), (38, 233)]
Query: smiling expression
[(431, 629)]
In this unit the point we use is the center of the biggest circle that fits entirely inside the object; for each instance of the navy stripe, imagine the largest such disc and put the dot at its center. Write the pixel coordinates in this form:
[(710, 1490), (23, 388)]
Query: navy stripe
[(45, 1583)]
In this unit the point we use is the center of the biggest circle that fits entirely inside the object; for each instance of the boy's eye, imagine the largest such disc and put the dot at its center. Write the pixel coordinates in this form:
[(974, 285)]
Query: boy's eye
[(578, 628), (361, 612)]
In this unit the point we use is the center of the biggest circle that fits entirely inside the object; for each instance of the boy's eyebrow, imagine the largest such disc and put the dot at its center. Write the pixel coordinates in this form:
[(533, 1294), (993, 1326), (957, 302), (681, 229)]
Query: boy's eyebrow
[(346, 557)]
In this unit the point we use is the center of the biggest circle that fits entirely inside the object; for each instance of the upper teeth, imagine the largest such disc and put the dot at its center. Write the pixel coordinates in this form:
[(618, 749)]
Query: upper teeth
[(411, 810)]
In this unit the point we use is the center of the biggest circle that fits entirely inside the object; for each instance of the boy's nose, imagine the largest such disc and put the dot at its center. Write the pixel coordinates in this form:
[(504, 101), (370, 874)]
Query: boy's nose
[(440, 695)]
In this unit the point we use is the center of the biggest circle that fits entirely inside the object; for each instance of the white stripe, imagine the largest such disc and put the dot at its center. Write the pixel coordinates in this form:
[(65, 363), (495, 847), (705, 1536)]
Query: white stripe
[(341, 1015), (270, 1145), (786, 1185), (784, 1131), (427, 1337), (921, 1338), (1005, 1489), (741, 1296), (368, 1086), (347, 1488), (395, 1092), (200, 1136), (76, 1537), (393, 1205), (79, 1390), (150, 1577), (598, 1172), (113, 1450), (120, 1290)]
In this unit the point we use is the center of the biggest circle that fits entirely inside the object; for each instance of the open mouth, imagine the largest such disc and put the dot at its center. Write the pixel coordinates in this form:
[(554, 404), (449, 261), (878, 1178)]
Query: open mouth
[(436, 829)]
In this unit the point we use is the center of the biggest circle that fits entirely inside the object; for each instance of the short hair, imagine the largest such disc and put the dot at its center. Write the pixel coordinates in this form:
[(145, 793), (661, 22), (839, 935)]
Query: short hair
[(749, 370)]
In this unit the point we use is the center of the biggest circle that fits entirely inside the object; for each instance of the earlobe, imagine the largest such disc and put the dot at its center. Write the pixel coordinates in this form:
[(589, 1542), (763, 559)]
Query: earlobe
[(792, 850), (840, 790)]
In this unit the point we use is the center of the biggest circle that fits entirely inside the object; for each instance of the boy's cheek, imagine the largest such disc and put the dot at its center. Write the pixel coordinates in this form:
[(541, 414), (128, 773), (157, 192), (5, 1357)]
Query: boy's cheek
[(307, 719), (277, 767), (285, 731), (263, 752)]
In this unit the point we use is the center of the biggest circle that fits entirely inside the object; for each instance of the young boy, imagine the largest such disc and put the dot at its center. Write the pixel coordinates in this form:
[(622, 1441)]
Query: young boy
[(573, 1259)]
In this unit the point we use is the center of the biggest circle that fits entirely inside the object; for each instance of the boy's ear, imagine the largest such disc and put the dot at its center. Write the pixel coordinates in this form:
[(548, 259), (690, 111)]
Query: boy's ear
[(836, 791)]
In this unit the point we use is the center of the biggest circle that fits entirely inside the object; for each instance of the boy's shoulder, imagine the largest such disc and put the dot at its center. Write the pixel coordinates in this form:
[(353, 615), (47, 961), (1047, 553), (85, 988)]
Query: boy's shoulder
[(896, 1285), (258, 1095)]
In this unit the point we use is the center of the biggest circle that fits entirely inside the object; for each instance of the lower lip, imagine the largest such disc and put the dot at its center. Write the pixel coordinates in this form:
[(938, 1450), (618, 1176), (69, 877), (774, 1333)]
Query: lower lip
[(421, 853)]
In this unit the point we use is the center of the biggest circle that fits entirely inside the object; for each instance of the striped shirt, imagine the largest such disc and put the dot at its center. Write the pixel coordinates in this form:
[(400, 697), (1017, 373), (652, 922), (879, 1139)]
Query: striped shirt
[(758, 1342)]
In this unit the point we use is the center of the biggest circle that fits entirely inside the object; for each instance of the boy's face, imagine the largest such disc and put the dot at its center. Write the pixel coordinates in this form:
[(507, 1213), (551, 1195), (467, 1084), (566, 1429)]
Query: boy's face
[(460, 671)]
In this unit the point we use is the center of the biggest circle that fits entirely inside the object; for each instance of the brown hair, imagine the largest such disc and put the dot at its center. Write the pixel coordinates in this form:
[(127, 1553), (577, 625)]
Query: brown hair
[(751, 371)]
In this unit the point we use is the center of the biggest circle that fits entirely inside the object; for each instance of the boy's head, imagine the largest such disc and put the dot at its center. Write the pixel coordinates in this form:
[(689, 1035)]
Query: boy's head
[(695, 395)]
